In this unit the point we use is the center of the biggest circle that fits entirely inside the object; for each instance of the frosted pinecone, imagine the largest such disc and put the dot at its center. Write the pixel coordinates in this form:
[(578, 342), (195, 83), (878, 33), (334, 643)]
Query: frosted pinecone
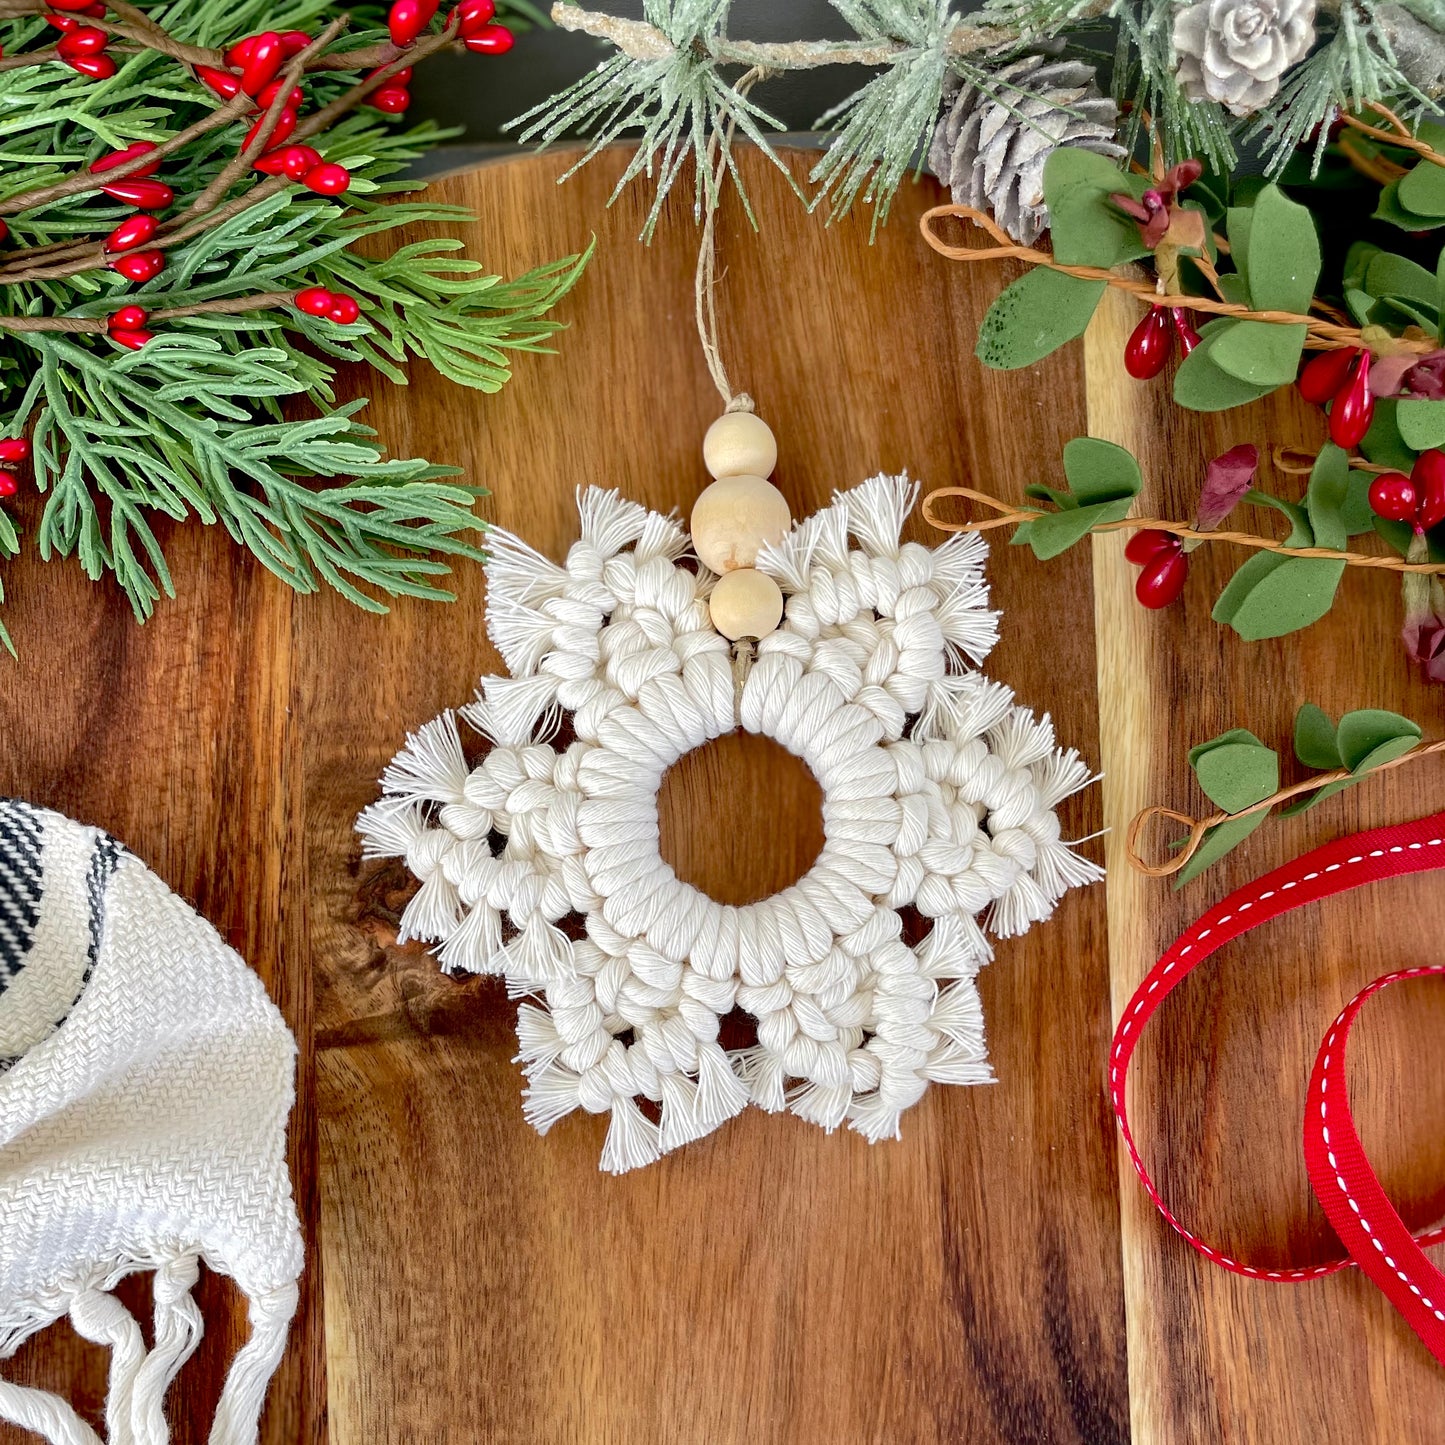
[(1234, 51), (991, 156)]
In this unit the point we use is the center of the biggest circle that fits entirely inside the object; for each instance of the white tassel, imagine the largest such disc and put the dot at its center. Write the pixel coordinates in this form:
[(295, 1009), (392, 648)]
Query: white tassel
[(475, 944), (430, 768), (679, 1112), (958, 563), (969, 629), (720, 1093), (959, 1014), (520, 572), (540, 954), (1020, 740), (1060, 776), (102, 1319), (950, 1064), (821, 1105), (550, 1095), (511, 712), (178, 1329), (390, 828), (762, 1075), (609, 522), (661, 537), (522, 634), (45, 1414), (1023, 904), (538, 1041), (1058, 868), (433, 911), (632, 1139), (876, 511), (874, 1119)]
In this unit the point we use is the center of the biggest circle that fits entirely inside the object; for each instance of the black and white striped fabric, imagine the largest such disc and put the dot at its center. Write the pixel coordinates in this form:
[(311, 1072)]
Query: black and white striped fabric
[(53, 878), (145, 1082)]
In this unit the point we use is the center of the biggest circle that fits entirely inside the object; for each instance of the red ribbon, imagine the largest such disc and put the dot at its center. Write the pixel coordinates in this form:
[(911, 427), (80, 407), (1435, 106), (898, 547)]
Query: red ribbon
[(1373, 1234)]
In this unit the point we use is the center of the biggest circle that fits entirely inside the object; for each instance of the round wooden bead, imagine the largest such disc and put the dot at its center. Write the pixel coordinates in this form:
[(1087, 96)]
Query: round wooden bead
[(746, 603), (734, 519), (739, 444)]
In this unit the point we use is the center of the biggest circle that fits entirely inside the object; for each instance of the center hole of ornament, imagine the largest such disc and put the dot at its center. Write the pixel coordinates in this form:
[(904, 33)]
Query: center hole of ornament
[(740, 818)]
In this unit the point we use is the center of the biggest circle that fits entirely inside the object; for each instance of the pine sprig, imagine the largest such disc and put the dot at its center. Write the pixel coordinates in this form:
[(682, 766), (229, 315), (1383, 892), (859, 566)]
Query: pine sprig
[(207, 421)]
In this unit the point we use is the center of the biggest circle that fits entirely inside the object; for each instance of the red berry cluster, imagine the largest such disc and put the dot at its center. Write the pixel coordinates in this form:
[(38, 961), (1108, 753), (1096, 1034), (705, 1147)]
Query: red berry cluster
[(1146, 353), (334, 306), (1341, 380), (13, 451), (136, 189), (1418, 499), (82, 47), (1163, 564)]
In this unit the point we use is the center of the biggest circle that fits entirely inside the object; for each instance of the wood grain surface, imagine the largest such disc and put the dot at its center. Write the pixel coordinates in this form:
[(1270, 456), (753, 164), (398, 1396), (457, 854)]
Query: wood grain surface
[(994, 1276)]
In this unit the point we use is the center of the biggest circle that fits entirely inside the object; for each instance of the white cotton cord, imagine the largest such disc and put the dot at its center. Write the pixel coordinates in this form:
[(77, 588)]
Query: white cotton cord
[(101, 1318), (178, 1329), (238, 1413), (938, 793), (45, 1414)]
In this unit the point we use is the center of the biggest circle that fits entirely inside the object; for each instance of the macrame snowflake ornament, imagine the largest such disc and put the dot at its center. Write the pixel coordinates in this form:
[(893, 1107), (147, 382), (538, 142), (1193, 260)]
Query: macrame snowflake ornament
[(541, 863)]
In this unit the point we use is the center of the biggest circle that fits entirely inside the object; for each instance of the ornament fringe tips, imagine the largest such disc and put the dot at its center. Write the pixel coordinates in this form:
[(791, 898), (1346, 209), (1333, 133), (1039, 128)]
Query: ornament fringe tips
[(541, 863)]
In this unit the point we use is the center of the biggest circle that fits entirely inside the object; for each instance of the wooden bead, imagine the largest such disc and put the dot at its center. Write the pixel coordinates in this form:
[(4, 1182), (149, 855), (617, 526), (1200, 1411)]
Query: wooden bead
[(746, 603), (734, 519), (739, 444)]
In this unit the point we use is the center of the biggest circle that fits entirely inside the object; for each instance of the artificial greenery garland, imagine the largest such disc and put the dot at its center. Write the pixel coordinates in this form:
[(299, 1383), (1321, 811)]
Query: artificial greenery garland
[(679, 78), (217, 402)]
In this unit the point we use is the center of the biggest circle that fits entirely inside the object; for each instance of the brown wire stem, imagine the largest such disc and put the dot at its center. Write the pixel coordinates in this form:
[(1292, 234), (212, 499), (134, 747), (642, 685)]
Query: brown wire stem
[(83, 325), (1012, 516), (1399, 133), (1321, 333), (1199, 827)]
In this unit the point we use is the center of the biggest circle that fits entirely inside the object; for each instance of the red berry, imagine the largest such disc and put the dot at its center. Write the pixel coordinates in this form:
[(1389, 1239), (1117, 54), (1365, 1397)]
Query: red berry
[(262, 62), (1162, 579), (293, 42), (315, 301), (473, 14), (70, 4), (128, 318), (290, 161), (1393, 497), (119, 158), (1184, 328), (1353, 408), (490, 40), (14, 449), (1148, 544), (1147, 351), (1325, 374), (327, 179), (97, 67), (147, 195), (285, 124), (222, 82), (132, 340), (84, 40), (344, 310), (141, 266), (129, 234), (406, 20), (294, 100), (67, 23), (1428, 475), (8, 484), (390, 99), (240, 52), (4, 229)]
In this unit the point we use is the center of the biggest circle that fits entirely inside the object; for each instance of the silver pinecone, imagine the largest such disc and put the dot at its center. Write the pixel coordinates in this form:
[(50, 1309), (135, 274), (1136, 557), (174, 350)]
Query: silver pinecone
[(1235, 51), (991, 156)]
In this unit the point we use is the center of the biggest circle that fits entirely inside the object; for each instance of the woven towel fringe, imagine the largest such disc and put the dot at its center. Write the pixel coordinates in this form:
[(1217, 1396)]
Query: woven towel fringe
[(135, 1402)]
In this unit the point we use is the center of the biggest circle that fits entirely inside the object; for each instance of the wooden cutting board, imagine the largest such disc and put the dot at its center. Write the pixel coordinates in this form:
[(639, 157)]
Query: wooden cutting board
[(994, 1275)]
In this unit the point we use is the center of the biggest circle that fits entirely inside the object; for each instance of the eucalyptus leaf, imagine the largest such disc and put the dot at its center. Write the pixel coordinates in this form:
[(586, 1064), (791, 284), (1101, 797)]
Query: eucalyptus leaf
[(1315, 744), (1284, 254), (1247, 576), (1100, 471), (1237, 775), (1390, 209), (1421, 423), (1398, 277), (1263, 353), (1036, 315), (1363, 732), (1201, 384), (1383, 443), (1218, 841), (1422, 190), (1055, 532), (1288, 597), (1325, 497)]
